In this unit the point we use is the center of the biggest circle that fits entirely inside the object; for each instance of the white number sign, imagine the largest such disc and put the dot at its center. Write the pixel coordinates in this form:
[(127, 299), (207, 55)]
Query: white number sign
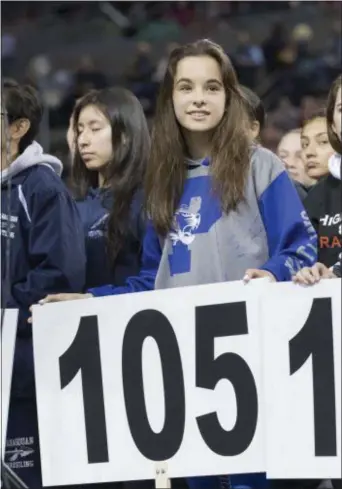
[(124, 382), (216, 379), (302, 372)]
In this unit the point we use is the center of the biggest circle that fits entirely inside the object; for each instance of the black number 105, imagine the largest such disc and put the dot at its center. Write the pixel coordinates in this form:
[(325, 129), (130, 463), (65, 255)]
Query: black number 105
[(211, 322), (214, 321)]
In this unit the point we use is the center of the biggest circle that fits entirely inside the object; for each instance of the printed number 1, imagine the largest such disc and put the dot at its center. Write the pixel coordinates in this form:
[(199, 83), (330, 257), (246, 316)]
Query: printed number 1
[(315, 339), (84, 354)]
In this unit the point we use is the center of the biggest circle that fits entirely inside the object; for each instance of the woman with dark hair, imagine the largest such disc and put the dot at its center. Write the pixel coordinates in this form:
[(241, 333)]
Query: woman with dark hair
[(204, 180), (324, 208), (109, 143), (111, 149), (324, 201), (215, 200), (316, 147)]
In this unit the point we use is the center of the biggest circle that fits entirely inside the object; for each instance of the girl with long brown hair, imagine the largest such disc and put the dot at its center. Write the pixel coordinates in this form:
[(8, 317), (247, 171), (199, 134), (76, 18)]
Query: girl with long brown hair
[(220, 208)]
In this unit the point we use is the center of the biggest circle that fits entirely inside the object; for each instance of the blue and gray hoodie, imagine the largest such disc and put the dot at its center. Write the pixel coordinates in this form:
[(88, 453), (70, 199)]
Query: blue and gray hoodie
[(269, 230), (46, 241)]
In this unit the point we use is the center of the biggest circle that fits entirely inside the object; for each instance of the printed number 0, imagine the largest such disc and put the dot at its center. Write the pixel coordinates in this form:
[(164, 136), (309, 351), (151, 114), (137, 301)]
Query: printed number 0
[(163, 445)]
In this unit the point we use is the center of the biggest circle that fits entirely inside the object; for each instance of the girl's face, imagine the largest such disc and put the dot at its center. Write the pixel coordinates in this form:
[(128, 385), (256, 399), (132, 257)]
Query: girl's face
[(199, 96), (316, 148), (290, 151), (94, 138), (337, 115)]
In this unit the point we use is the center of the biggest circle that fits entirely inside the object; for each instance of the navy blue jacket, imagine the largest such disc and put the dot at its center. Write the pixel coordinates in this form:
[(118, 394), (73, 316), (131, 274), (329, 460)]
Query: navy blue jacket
[(94, 211), (47, 253)]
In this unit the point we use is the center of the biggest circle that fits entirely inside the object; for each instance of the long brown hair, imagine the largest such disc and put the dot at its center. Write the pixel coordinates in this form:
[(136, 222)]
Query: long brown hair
[(125, 172), (230, 145), (334, 140)]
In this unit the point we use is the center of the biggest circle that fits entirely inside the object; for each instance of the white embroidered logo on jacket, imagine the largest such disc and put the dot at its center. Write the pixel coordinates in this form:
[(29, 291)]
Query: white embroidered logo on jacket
[(186, 221)]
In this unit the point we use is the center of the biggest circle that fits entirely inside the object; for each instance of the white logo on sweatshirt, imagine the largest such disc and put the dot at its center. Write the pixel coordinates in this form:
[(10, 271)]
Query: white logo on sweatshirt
[(186, 221), (20, 452), (97, 230), (8, 224)]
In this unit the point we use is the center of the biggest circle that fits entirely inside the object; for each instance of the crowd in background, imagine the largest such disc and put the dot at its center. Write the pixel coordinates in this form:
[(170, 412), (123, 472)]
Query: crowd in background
[(289, 63), (280, 102)]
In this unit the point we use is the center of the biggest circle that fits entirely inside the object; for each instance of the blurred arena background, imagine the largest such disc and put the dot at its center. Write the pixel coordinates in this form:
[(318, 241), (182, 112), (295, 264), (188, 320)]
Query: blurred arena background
[(288, 52)]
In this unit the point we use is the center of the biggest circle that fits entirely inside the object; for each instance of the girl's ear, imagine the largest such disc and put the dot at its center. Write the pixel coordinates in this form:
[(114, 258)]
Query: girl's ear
[(255, 129)]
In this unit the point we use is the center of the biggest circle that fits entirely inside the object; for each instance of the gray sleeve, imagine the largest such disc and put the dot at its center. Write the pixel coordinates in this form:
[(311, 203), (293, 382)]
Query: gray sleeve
[(265, 168)]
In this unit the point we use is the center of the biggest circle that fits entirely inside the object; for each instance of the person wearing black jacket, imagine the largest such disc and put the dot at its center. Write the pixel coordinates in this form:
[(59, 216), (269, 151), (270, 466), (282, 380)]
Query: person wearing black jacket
[(324, 207)]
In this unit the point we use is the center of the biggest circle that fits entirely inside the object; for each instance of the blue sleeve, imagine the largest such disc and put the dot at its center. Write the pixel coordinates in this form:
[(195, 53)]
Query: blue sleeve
[(292, 240), (151, 256), (55, 249)]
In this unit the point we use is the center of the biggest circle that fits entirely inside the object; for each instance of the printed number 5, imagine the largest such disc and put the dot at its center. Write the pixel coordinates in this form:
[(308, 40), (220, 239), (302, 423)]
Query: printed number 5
[(213, 322)]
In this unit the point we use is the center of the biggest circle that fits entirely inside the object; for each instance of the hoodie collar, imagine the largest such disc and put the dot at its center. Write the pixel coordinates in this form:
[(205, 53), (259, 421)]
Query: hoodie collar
[(335, 166), (32, 156), (195, 163)]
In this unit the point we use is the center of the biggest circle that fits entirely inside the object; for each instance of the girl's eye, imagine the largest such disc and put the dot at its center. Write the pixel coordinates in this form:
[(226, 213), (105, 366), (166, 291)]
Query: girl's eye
[(185, 88), (213, 88)]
